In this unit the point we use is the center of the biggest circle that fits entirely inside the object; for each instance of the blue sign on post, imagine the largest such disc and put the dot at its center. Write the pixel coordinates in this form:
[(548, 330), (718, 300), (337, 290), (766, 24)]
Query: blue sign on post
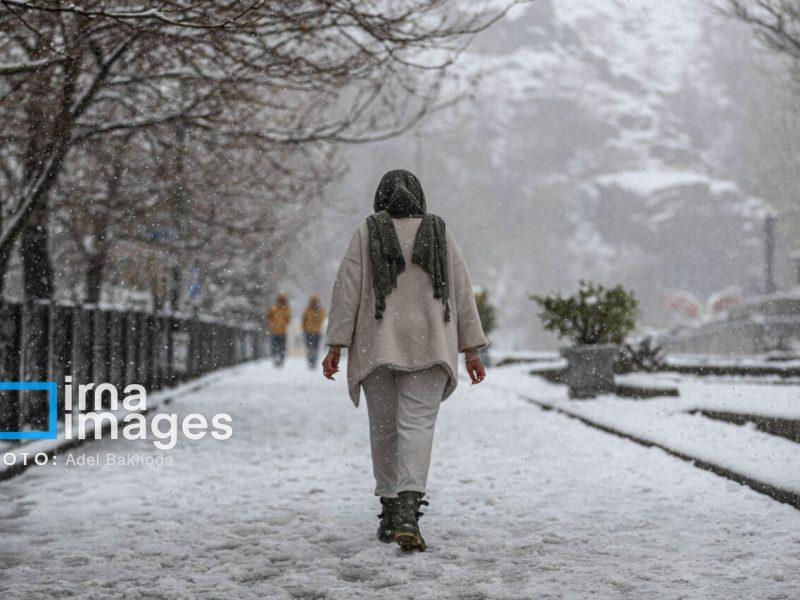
[(51, 387), (195, 283)]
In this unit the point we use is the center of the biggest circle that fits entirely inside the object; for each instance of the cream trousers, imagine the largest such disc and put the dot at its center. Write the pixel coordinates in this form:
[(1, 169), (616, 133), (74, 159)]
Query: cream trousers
[(402, 407)]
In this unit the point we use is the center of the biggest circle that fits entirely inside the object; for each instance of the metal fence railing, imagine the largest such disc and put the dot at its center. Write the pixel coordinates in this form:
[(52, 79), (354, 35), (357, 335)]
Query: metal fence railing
[(45, 341)]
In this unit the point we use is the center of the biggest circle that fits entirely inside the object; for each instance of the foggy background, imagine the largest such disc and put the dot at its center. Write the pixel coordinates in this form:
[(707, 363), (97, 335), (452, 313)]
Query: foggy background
[(640, 143)]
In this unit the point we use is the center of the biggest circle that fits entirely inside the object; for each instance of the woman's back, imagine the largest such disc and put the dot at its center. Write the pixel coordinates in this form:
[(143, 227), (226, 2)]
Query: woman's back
[(412, 332)]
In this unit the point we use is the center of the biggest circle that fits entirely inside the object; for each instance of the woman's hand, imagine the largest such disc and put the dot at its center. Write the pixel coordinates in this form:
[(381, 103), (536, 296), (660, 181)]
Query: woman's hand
[(330, 365), (475, 369)]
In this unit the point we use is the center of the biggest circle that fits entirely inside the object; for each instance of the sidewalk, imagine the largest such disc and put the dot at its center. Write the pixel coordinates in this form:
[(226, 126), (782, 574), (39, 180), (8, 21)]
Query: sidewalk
[(524, 504)]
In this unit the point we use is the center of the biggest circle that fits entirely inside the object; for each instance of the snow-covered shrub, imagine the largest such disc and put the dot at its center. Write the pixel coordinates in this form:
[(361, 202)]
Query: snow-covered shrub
[(486, 311), (592, 315), (644, 354)]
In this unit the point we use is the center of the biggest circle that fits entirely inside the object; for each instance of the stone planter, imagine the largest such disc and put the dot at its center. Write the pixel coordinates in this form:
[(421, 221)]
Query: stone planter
[(590, 369)]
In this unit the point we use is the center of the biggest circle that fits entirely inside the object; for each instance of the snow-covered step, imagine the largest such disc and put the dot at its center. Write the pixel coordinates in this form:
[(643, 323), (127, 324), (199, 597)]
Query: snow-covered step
[(740, 449), (765, 462)]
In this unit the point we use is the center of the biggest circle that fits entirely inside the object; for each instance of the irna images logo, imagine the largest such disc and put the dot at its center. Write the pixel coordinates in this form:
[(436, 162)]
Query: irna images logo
[(100, 411)]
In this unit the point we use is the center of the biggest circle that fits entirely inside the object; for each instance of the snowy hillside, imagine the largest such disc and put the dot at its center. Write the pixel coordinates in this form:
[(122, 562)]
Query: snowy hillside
[(597, 145), (605, 88)]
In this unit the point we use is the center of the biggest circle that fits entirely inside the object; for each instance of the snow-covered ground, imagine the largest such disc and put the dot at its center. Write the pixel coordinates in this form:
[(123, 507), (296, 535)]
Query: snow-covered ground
[(524, 504), (669, 422)]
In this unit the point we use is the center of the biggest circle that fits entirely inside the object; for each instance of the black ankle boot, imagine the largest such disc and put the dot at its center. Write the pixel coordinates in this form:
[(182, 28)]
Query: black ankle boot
[(388, 516), (408, 535)]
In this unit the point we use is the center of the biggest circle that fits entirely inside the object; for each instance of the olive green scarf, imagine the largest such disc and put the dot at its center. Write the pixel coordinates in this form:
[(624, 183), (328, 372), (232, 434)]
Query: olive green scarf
[(400, 195)]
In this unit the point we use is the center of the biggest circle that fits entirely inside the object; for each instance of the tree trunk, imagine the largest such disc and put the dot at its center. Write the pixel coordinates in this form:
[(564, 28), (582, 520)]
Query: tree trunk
[(94, 277), (36, 267), (97, 260), (179, 208), (5, 255)]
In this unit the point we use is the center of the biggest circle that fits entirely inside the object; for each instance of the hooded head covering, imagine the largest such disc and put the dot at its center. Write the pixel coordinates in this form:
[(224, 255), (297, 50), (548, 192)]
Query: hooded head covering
[(400, 195)]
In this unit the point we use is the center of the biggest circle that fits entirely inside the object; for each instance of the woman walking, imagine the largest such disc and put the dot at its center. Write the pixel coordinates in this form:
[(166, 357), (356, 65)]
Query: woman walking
[(403, 305)]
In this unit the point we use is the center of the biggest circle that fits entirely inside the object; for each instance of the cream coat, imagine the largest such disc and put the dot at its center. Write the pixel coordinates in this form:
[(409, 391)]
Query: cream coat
[(413, 333)]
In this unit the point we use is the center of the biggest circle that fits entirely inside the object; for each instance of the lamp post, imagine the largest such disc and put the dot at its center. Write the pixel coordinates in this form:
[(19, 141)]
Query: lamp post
[(769, 254), (795, 257)]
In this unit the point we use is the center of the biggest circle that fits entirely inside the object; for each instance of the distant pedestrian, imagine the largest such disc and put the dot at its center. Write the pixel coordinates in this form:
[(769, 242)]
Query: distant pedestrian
[(403, 306), (488, 315), (313, 318), (279, 316)]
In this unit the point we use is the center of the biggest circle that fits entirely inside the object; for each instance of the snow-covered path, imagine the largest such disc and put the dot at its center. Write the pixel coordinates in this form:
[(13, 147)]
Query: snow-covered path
[(524, 504)]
